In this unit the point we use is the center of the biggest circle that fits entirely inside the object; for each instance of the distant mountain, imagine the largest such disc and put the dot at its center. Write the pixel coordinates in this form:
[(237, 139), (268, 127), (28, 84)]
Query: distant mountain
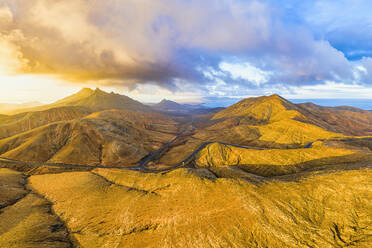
[(7, 108), (185, 109), (170, 106), (95, 100)]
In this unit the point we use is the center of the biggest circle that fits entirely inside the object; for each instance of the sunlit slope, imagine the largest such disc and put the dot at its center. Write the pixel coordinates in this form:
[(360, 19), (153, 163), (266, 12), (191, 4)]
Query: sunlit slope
[(290, 131), (15, 124), (25, 218), (29, 223), (264, 108), (276, 119), (95, 100), (179, 209), (109, 138), (272, 161)]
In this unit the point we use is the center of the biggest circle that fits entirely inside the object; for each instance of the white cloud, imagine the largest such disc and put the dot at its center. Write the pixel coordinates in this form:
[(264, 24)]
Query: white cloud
[(330, 90), (246, 72), (178, 45)]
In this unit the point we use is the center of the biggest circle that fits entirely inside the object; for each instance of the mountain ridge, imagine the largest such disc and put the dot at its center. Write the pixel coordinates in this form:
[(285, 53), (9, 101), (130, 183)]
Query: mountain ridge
[(95, 100), (94, 118)]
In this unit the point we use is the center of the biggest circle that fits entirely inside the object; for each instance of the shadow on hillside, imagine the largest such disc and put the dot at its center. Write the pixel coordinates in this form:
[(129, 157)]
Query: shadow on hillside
[(262, 172)]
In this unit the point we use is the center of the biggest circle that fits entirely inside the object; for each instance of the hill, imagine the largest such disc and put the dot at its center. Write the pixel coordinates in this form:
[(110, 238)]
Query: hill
[(26, 218), (262, 109), (344, 119), (299, 184), (268, 109), (269, 122), (183, 208), (276, 119), (114, 137), (14, 124), (76, 134), (95, 100), (274, 162)]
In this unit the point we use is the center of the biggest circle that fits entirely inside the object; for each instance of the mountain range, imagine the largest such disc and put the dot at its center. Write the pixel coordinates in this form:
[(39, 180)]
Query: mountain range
[(99, 169), (98, 128)]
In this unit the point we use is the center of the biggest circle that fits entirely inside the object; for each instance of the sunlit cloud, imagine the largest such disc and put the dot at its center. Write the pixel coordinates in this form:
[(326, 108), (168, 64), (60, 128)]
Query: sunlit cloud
[(28, 88), (246, 71), (188, 45)]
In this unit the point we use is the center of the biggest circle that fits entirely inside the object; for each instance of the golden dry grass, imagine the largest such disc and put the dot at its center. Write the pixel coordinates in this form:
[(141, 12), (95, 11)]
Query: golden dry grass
[(29, 224), (180, 209), (25, 218), (111, 138), (273, 161), (12, 125), (277, 121), (293, 132), (265, 108)]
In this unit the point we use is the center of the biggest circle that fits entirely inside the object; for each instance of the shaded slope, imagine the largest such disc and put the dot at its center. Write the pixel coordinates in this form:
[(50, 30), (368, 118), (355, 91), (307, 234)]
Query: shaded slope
[(11, 187), (108, 138), (266, 122), (14, 124), (347, 120), (274, 162)]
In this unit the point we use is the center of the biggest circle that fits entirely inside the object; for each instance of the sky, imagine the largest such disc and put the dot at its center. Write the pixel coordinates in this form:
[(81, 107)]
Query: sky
[(186, 50)]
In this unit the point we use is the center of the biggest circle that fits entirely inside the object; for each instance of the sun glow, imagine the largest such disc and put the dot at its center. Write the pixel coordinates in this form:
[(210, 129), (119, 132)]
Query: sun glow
[(29, 87)]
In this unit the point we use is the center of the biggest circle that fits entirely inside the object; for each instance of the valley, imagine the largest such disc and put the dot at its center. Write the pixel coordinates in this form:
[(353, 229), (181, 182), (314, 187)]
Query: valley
[(78, 173)]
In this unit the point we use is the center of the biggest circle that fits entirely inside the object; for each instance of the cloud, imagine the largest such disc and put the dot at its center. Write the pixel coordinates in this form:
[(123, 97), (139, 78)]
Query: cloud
[(246, 72), (210, 45), (346, 24)]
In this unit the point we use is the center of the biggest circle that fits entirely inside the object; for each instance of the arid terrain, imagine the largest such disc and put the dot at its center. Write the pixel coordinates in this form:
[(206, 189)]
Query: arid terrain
[(99, 169)]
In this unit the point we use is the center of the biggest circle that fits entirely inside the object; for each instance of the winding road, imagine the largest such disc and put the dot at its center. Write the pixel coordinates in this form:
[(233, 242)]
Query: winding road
[(151, 156), (142, 164)]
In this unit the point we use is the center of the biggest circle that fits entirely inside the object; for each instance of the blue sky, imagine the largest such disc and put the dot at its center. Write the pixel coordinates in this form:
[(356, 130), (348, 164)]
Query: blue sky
[(187, 50)]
